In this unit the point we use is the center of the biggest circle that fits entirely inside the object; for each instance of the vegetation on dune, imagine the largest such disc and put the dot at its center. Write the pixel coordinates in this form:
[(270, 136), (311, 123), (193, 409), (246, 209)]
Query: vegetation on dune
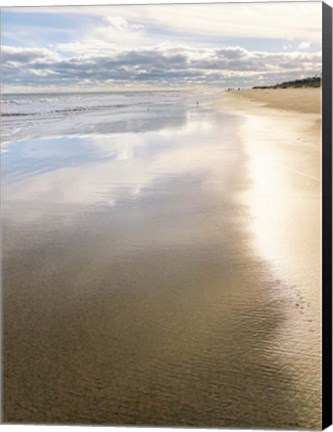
[(306, 82)]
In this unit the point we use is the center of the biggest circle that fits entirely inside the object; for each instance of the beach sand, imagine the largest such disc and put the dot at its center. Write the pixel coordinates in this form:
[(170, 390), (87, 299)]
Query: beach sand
[(193, 301), (304, 100), (282, 140)]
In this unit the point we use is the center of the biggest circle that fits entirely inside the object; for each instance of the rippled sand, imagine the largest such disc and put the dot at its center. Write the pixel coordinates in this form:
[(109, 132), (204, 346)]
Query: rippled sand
[(160, 286)]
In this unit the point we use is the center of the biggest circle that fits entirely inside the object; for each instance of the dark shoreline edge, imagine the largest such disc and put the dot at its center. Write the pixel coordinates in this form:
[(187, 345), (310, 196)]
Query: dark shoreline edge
[(327, 216)]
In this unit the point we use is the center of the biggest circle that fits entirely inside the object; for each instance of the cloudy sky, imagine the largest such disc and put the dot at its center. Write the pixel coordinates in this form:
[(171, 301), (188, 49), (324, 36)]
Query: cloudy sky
[(158, 46)]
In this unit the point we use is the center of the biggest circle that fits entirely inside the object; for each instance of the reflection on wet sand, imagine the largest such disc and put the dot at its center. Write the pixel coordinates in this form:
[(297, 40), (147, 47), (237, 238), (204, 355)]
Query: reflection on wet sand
[(134, 291), (287, 226)]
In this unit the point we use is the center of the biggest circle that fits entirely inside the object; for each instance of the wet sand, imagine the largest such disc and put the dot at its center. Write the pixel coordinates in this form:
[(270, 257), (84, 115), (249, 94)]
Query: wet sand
[(187, 301), (282, 140)]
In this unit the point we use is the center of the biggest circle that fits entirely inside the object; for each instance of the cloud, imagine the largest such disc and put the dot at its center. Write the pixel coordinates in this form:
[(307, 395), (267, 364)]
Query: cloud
[(122, 25), (298, 20), (20, 55), (163, 64), (304, 45)]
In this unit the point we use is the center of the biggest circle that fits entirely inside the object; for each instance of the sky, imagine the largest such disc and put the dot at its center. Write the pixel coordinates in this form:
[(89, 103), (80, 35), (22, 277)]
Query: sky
[(93, 48)]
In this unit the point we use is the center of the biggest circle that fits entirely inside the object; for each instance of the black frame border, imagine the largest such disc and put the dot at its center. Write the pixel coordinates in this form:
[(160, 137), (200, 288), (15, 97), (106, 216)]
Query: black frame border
[(327, 215)]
